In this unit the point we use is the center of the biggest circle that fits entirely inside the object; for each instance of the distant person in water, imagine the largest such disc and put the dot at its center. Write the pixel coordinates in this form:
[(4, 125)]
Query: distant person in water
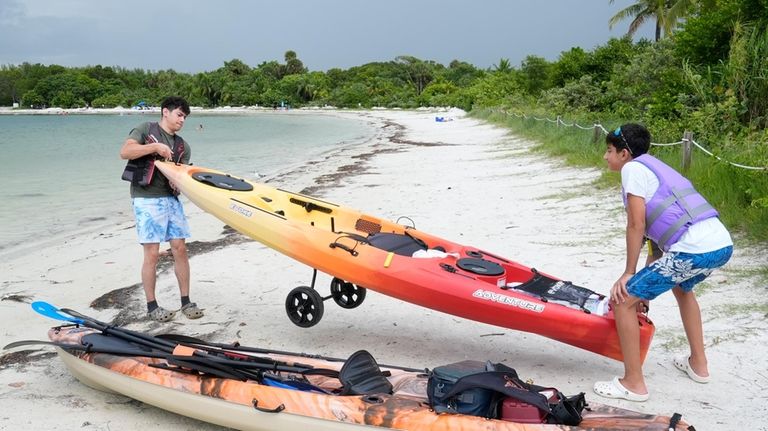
[(200, 127), (159, 213), (664, 207)]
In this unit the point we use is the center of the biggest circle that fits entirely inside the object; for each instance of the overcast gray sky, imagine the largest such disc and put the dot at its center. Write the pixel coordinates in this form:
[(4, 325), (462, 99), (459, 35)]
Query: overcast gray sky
[(199, 35)]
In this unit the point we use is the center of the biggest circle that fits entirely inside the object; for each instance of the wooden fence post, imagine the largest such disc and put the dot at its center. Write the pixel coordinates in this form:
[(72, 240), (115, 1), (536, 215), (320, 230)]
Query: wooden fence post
[(596, 134), (558, 121), (687, 147)]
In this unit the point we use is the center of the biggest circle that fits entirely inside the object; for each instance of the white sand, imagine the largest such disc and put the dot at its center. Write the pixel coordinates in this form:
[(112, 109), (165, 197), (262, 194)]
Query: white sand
[(479, 186)]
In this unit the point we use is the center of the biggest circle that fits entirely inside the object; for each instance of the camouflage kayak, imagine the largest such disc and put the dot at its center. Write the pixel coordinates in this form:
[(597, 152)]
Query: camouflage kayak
[(279, 390)]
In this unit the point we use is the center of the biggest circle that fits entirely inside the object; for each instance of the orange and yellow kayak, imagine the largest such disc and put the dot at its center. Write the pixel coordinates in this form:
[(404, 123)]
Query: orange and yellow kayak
[(186, 382), (366, 252)]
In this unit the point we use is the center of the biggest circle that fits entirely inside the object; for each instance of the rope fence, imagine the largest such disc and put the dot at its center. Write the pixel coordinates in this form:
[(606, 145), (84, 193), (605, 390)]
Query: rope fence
[(687, 142)]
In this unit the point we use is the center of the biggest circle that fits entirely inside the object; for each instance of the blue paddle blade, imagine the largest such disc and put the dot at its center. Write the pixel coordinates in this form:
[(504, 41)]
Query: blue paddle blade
[(49, 310), (277, 384), (293, 384)]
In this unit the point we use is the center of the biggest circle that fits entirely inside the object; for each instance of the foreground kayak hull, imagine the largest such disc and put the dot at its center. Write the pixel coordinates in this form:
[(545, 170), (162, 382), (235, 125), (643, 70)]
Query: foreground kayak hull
[(229, 403), (190, 404), (207, 409), (332, 239)]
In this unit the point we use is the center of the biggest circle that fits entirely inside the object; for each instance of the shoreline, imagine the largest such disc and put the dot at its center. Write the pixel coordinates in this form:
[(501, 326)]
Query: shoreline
[(464, 180), (106, 218), (223, 110)]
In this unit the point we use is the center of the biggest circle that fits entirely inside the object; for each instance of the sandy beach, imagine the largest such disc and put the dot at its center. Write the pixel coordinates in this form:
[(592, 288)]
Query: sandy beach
[(461, 179)]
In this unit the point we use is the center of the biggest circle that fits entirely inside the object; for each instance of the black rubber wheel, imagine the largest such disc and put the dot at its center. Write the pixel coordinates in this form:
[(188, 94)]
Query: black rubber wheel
[(346, 294), (304, 306)]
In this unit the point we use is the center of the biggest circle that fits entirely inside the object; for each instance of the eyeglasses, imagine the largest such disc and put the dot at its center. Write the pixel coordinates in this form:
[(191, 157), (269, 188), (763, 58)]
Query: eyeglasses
[(617, 132)]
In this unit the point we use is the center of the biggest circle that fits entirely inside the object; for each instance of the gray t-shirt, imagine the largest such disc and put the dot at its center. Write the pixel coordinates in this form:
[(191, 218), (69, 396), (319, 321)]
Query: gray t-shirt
[(159, 186)]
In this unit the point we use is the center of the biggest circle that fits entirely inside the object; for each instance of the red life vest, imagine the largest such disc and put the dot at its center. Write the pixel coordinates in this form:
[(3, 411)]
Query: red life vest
[(141, 171)]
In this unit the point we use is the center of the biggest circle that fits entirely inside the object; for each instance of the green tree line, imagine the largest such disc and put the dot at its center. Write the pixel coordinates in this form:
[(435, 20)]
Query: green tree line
[(706, 70), (405, 82)]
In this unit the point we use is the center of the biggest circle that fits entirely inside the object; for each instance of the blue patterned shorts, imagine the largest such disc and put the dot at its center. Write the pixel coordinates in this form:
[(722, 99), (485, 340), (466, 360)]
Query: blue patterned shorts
[(676, 269), (160, 219)]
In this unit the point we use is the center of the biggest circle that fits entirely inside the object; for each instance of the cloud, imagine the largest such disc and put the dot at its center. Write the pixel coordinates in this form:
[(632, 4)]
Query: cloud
[(199, 35), (12, 13)]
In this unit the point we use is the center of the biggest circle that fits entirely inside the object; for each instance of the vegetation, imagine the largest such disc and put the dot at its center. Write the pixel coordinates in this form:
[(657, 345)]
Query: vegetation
[(707, 71)]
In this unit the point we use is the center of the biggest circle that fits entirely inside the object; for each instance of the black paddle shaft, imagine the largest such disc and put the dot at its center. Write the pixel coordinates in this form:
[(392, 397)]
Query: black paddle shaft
[(236, 348), (168, 347)]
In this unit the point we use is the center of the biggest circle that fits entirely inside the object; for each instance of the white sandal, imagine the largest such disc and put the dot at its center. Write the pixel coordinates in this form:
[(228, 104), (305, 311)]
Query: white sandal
[(614, 389), (682, 363)]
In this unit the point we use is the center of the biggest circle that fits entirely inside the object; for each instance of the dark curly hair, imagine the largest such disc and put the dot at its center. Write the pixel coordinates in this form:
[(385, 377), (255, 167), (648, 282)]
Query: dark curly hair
[(173, 102), (633, 137)]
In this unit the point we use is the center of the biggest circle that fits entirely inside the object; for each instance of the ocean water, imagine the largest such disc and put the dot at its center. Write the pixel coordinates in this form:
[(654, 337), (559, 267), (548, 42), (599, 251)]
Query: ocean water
[(61, 173)]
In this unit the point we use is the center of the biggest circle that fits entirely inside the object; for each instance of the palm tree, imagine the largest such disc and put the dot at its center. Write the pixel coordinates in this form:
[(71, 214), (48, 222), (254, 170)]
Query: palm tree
[(293, 66), (640, 12), (666, 12), (680, 9), (207, 86), (504, 66), (419, 73)]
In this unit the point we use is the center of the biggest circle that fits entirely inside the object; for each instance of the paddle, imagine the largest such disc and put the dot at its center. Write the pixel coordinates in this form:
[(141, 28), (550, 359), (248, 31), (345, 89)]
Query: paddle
[(86, 348), (137, 337), (235, 348), (171, 341), (49, 310), (198, 365), (167, 347)]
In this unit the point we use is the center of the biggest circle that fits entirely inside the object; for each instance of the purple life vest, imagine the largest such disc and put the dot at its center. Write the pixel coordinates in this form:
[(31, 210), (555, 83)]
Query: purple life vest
[(674, 207)]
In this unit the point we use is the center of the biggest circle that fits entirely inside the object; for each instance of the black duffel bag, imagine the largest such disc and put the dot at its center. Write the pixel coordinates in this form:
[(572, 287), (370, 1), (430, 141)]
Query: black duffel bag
[(477, 388), (475, 402)]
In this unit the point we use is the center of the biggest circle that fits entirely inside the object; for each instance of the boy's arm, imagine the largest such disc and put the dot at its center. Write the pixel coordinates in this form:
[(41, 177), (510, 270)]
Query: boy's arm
[(132, 149), (635, 234), (635, 231)]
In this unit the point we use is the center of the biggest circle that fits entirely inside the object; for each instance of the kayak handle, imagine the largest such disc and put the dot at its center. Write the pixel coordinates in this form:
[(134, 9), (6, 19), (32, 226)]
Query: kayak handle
[(413, 224), (350, 250), (277, 409)]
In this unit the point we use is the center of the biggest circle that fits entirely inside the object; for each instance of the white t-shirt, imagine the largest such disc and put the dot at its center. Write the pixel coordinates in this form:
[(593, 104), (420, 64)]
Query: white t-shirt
[(702, 237)]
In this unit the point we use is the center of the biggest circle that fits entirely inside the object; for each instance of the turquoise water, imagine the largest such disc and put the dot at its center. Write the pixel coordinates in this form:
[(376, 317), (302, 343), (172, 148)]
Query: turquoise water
[(61, 173)]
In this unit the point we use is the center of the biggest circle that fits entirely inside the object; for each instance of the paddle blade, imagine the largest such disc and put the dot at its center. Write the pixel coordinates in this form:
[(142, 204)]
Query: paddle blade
[(25, 343), (49, 310)]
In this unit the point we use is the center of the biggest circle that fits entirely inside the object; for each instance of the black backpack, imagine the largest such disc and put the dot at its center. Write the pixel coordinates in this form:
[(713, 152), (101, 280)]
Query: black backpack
[(476, 388)]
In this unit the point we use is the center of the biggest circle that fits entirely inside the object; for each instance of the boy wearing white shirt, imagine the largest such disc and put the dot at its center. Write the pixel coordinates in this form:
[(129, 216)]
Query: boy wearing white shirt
[(663, 206)]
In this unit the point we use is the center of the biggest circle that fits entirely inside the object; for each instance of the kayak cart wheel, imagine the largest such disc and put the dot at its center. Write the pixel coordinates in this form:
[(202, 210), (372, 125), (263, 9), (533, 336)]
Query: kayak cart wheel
[(346, 294), (304, 306)]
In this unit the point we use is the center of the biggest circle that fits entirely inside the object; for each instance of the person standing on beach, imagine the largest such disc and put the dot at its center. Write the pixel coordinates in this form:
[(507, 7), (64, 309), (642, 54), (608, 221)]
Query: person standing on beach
[(663, 206), (159, 213)]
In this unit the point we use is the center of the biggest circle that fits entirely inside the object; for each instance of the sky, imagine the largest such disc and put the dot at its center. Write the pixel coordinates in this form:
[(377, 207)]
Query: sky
[(200, 35)]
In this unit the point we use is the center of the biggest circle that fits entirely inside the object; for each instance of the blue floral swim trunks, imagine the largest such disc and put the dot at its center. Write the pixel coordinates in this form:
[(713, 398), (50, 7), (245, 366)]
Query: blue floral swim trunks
[(160, 219), (676, 269)]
